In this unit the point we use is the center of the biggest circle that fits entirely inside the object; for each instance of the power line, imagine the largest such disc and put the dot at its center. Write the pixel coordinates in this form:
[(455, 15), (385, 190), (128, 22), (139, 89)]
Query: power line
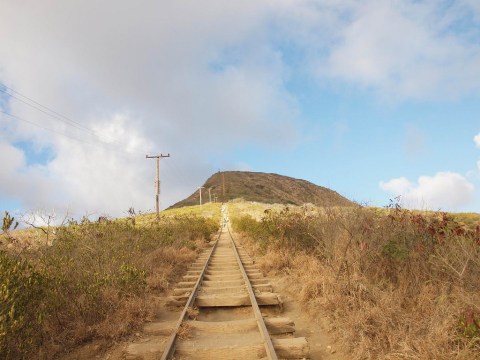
[(98, 142), (42, 108), (56, 115), (62, 134), (43, 127)]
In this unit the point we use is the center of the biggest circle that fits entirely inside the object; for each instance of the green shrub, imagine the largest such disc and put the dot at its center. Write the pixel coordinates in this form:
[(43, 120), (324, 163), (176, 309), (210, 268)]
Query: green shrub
[(73, 290), (22, 306)]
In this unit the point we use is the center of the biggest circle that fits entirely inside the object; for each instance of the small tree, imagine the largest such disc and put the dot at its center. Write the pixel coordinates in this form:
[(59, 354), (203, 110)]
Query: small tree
[(8, 222), (44, 221)]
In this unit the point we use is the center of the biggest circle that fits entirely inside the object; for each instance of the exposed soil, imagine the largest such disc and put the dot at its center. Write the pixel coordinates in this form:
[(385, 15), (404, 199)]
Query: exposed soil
[(312, 326)]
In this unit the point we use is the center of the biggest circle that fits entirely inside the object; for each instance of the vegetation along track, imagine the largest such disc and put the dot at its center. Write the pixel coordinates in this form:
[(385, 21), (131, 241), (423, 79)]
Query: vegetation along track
[(221, 319)]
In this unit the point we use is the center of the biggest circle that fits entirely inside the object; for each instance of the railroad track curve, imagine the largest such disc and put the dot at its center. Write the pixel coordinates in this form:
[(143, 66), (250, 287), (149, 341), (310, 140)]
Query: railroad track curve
[(221, 295)]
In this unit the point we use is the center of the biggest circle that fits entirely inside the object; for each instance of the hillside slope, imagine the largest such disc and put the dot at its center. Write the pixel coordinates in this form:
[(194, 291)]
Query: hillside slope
[(265, 188)]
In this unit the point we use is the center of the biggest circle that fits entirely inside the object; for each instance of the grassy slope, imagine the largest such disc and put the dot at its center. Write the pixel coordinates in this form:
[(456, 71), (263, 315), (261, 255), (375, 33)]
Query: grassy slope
[(396, 284), (369, 271), (210, 211), (374, 316), (95, 280)]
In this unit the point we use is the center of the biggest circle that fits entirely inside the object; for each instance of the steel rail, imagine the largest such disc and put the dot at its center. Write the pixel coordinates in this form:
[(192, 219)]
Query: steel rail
[(170, 346), (270, 350)]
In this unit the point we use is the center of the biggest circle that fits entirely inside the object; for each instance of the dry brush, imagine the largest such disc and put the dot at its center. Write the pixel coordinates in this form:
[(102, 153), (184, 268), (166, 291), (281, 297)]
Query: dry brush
[(92, 282), (396, 284)]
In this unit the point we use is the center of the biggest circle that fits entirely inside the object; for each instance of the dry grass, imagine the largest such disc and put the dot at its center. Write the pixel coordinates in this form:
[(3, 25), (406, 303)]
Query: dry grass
[(94, 282), (165, 264), (396, 285), (208, 210), (184, 331), (192, 313)]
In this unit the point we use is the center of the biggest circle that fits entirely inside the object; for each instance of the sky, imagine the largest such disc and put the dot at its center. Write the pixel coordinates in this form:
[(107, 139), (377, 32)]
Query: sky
[(373, 99)]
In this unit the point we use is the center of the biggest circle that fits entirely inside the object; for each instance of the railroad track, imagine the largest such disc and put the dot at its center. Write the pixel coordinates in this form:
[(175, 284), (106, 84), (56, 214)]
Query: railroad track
[(221, 295)]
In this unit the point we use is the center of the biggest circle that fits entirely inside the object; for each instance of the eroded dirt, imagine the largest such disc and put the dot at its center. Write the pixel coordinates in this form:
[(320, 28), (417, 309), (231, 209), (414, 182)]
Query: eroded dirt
[(312, 326)]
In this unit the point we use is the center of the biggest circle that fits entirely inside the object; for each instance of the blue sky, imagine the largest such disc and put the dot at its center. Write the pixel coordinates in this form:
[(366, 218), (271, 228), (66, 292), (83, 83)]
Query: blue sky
[(364, 143), (373, 99)]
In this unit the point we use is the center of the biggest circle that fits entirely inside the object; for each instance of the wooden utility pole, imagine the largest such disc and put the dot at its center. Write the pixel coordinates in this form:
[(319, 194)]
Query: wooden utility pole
[(200, 191), (157, 180), (210, 194)]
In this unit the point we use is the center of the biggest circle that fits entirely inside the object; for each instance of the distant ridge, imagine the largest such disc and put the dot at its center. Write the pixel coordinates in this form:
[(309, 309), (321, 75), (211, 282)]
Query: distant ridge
[(265, 188)]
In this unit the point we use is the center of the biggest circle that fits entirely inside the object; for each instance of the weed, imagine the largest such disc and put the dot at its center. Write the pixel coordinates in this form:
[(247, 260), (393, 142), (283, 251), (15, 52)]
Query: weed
[(184, 331), (192, 313), (469, 324), (92, 281), (7, 224), (22, 308), (395, 282)]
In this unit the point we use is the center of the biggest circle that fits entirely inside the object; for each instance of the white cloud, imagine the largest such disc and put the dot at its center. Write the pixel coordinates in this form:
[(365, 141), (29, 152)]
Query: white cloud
[(406, 50), (198, 78), (397, 186), (444, 190), (147, 79), (20, 181), (476, 139)]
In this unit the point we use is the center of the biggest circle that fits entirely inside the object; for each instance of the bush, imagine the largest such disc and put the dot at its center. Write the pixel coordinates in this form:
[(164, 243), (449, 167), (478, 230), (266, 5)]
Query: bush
[(22, 310), (92, 282), (395, 282)]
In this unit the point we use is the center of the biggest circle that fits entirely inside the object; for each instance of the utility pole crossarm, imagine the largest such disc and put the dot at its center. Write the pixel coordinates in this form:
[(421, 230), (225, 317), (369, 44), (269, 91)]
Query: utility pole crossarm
[(157, 180), (157, 156)]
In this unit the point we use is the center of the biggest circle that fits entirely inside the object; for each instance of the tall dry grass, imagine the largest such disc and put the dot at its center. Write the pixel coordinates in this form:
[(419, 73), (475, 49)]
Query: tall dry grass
[(395, 284), (94, 282)]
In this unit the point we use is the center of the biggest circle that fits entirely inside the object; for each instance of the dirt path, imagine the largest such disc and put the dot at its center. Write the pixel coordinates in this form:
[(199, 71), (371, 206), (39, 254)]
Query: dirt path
[(222, 329), (312, 326)]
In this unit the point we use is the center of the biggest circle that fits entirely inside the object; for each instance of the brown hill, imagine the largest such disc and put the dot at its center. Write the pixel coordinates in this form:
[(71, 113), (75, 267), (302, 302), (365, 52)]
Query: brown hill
[(264, 188)]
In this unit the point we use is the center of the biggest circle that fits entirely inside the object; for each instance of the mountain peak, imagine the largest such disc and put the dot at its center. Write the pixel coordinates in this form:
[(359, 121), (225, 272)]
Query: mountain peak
[(265, 188)]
